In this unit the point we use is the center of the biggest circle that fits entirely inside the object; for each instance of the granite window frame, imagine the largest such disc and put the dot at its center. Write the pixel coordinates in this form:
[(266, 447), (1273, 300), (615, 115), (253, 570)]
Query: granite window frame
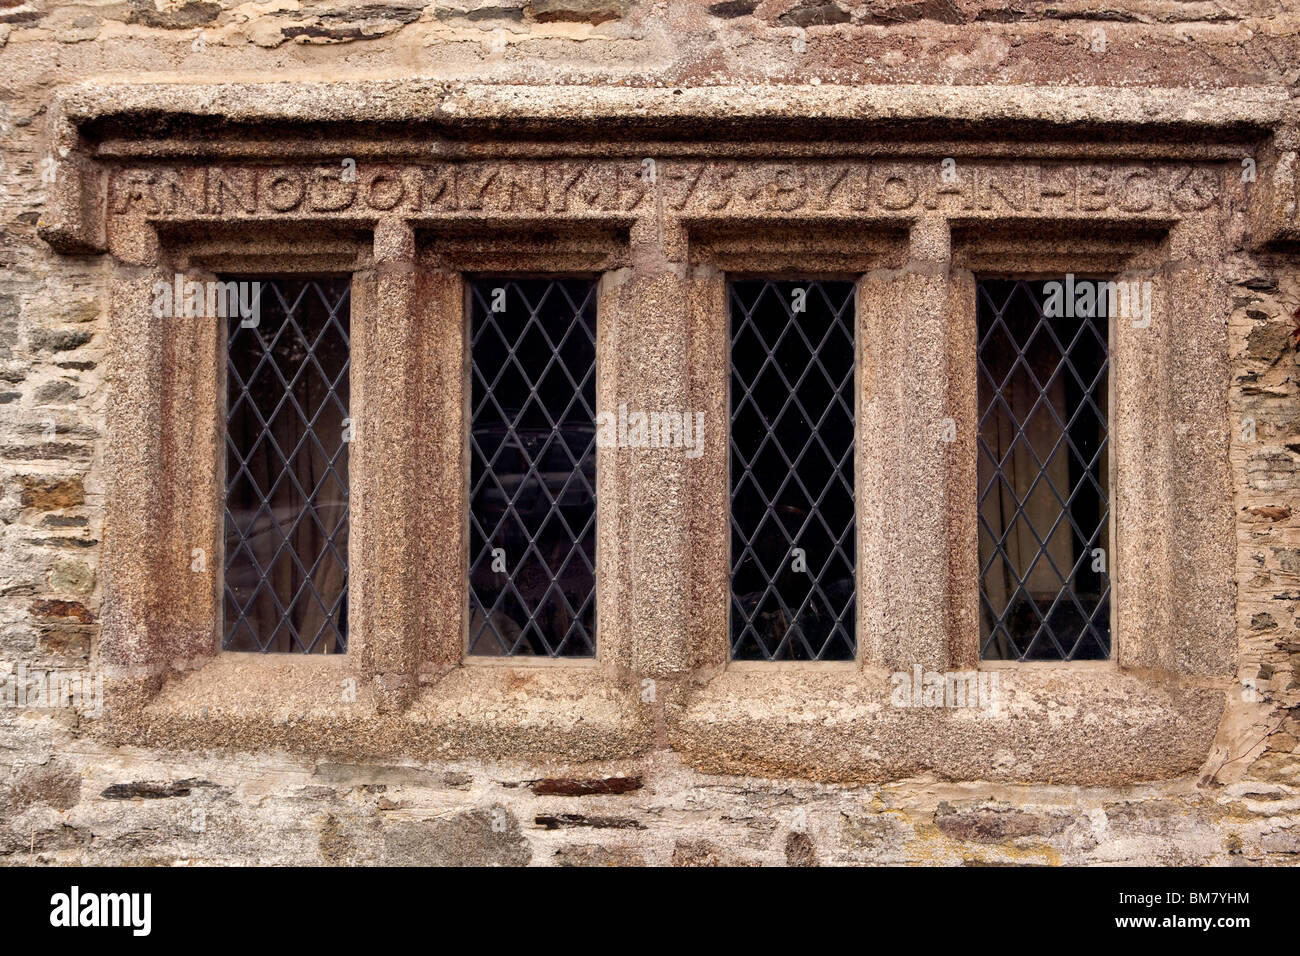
[(1151, 711), (1171, 572), (407, 682), (1155, 692), (410, 664)]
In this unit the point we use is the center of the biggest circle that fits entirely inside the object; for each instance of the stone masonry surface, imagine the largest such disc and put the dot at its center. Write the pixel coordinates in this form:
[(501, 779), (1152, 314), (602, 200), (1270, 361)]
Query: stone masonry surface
[(201, 770)]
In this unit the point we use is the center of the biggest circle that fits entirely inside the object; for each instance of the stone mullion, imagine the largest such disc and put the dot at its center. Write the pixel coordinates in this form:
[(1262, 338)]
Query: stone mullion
[(398, 549), (645, 307), (903, 486)]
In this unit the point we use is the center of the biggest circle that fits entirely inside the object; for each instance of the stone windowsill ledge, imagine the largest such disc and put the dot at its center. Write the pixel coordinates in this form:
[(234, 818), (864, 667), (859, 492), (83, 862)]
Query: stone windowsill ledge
[(248, 702), (1066, 724)]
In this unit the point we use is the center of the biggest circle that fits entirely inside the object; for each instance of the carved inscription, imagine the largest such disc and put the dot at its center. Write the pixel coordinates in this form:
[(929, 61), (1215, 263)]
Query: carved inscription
[(679, 187)]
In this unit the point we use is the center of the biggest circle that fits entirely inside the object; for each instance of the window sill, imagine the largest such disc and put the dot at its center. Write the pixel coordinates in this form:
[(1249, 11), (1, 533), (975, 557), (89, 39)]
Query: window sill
[(1088, 726), (254, 702)]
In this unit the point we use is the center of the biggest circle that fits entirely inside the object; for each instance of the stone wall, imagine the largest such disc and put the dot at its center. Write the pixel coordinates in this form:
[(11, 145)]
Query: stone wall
[(70, 794)]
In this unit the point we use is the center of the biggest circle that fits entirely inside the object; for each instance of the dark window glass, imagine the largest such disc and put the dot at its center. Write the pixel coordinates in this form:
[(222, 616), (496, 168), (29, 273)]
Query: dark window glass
[(793, 552), (1044, 512), (286, 556), (532, 577)]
